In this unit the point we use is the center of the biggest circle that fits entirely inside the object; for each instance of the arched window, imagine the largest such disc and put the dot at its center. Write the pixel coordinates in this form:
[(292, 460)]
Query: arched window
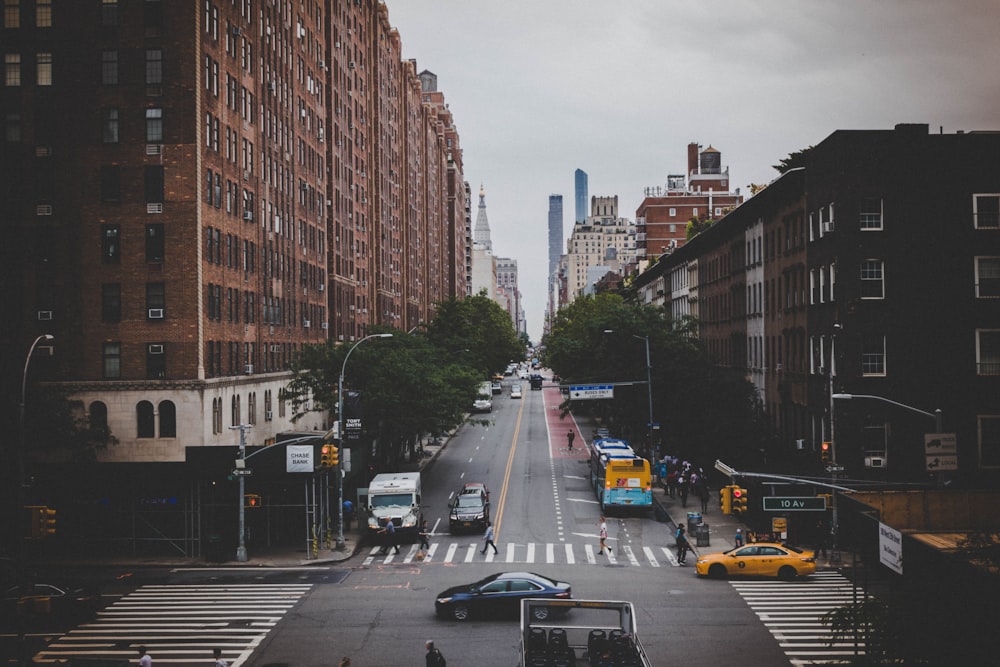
[(252, 407), (168, 419), (98, 416), (145, 421), (216, 415), (237, 419)]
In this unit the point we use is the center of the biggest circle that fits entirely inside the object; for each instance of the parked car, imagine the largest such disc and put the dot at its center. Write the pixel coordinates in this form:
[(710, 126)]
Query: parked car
[(764, 559), (515, 391), (482, 404), (497, 387), (500, 595), (470, 509)]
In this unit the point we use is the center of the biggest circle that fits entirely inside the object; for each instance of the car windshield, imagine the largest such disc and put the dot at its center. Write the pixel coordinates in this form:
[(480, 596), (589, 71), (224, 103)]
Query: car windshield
[(390, 500), (469, 500)]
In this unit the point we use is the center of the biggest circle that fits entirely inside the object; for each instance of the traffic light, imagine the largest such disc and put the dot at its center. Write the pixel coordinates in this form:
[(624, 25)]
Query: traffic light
[(252, 500), (329, 457), (726, 499), (824, 451), (740, 498), (48, 521), (35, 515)]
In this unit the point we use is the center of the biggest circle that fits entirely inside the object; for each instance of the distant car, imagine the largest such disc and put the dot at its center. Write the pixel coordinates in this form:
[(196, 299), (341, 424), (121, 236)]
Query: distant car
[(523, 374), (499, 594), (515, 391), (482, 404), (470, 510), (497, 387), (63, 602), (760, 559), (536, 381)]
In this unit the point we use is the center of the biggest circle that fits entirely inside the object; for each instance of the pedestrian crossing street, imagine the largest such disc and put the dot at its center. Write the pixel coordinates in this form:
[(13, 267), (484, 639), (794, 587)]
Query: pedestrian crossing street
[(532, 553), (793, 611), (180, 624)]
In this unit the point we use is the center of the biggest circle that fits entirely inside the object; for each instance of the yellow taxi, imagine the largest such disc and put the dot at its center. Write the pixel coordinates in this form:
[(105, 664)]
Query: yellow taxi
[(759, 559)]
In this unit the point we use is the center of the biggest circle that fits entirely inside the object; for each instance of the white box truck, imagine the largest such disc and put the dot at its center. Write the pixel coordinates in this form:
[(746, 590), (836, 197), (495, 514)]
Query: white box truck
[(395, 496)]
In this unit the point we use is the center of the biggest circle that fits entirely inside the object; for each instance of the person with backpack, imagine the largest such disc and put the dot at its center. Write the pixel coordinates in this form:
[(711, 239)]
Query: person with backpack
[(434, 656)]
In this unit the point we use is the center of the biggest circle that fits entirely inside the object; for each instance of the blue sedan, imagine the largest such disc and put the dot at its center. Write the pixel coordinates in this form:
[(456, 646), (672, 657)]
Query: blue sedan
[(499, 594)]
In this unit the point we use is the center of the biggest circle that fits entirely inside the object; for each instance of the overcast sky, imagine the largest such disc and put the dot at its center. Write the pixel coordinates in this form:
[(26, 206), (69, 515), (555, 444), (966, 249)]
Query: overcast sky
[(539, 88)]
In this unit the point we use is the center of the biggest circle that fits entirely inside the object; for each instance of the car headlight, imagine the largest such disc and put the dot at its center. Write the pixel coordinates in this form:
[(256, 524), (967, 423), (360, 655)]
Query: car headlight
[(409, 522), (481, 515), (702, 561), (443, 600)]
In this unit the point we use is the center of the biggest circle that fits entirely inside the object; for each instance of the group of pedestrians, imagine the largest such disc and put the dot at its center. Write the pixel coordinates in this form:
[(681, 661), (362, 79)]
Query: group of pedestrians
[(433, 657), (682, 479)]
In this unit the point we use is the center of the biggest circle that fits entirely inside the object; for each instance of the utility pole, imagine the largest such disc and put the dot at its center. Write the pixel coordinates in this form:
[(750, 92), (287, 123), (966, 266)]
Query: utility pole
[(241, 550)]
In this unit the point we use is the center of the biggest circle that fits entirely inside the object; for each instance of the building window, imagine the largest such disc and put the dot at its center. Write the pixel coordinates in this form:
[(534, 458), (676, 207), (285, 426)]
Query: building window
[(235, 411), (252, 408), (109, 13), (873, 356), (12, 13), (111, 303), (97, 415), (43, 13), (216, 415), (153, 178), (168, 419), (110, 184), (989, 441), (152, 14), (12, 127), (145, 420), (43, 62), (156, 300), (12, 69), (109, 68), (156, 361), (112, 358), (154, 126), (986, 211), (110, 247), (109, 126), (870, 213), (154, 66), (155, 245), (987, 277), (988, 352), (872, 284)]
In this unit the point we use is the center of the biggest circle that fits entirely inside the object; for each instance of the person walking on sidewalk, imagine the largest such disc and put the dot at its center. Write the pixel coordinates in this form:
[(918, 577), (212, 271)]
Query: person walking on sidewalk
[(682, 544), (569, 439), (144, 659), (602, 526), (434, 656), (488, 539), (738, 540)]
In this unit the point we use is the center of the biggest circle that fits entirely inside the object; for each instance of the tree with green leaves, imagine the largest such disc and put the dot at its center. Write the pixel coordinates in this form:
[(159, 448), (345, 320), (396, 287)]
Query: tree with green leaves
[(704, 411), (481, 329)]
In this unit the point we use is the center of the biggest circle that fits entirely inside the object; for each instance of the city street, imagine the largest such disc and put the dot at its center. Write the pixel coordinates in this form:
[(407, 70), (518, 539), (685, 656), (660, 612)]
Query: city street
[(379, 609)]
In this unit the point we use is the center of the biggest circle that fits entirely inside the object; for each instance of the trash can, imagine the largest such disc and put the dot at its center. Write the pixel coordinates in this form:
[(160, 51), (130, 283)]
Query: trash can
[(694, 518), (701, 535)]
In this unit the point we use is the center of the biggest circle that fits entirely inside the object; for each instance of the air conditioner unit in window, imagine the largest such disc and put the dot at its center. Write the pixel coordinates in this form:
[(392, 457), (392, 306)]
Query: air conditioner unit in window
[(156, 313), (156, 348), (275, 348), (154, 208), (322, 287), (268, 416), (248, 215), (306, 324), (828, 225), (237, 32), (44, 315), (351, 65), (325, 325), (271, 87), (248, 369), (779, 367), (154, 149), (874, 461)]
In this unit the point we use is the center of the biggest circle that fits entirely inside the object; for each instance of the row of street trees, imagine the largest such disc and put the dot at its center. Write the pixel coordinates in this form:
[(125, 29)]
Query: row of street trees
[(413, 384), (705, 412)]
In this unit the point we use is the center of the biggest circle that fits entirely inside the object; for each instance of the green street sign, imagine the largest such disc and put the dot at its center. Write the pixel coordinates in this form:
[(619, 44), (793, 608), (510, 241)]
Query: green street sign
[(788, 504)]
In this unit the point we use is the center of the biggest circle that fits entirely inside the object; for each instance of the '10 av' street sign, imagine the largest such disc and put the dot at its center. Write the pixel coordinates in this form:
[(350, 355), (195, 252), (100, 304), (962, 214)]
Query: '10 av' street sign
[(787, 504)]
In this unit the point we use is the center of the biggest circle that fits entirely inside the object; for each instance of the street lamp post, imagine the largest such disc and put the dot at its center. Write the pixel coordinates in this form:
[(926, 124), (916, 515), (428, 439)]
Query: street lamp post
[(241, 549), (341, 544), (21, 482), (936, 415), (649, 390)]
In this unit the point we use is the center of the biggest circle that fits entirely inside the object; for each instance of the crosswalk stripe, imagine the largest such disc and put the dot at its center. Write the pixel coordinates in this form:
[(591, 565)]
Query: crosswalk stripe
[(650, 556), (180, 624)]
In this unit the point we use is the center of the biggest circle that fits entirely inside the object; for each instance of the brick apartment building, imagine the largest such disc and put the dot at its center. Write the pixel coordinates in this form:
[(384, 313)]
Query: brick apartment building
[(870, 271), (704, 192), (194, 190)]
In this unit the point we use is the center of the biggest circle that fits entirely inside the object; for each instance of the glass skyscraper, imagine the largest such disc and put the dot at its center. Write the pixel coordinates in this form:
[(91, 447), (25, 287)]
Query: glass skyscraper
[(582, 210)]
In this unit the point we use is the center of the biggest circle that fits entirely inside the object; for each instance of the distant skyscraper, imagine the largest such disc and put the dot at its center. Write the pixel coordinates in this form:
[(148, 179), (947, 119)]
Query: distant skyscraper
[(555, 232), (582, 209)]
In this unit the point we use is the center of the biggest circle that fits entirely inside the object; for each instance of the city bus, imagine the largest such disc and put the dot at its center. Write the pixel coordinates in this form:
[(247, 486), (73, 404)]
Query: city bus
[(620, 478)]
